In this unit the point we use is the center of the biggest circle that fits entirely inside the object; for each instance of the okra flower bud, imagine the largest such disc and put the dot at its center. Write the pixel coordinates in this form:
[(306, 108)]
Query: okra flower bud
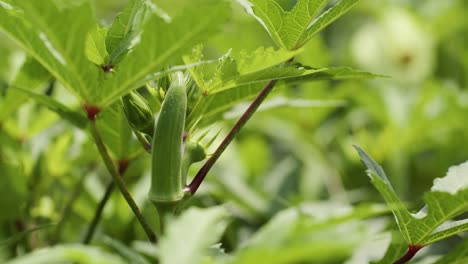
[(194, 152), (138, 112)]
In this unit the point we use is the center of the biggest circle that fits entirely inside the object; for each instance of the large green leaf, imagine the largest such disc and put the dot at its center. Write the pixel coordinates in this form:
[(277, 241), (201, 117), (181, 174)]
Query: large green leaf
[(291, 73), (188, 237), (70, 49), (95, 48), (447, 199), (292, 29), (241, 77), (55, 36)]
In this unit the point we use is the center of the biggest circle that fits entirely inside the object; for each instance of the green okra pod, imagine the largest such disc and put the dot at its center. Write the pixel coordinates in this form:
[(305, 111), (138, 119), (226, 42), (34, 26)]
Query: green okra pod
[(167, 182)]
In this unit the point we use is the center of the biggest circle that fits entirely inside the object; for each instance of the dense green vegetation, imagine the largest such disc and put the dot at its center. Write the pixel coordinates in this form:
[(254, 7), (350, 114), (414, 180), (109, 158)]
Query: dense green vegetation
[(209, 131)]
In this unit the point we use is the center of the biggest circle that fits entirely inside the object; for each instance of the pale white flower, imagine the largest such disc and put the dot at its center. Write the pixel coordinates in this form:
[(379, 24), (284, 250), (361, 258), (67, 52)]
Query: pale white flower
[(397, 45)]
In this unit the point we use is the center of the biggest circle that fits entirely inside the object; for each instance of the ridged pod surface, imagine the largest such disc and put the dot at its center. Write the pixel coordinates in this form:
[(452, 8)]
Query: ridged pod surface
[(167, 182)]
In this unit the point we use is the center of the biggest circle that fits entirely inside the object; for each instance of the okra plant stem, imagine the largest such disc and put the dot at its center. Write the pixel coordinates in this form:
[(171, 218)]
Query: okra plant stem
[(412, 250), (98, 213), (119, 181)]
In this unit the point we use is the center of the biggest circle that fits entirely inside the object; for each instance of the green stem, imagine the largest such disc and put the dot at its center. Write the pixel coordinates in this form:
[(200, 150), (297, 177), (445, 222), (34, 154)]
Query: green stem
[(119, 181)]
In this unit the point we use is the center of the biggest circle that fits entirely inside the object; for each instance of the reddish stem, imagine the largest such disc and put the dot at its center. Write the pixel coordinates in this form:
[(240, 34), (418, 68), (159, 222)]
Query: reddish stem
[(412, 250), (107, 68), (201, 175), (91, 111), (122, 166), (195, 184)]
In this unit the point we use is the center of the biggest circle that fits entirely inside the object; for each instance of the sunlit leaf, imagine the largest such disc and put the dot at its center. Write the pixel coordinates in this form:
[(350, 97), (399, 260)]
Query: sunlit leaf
[(96, 47), (447, 199), (292, 29), (59, 47)]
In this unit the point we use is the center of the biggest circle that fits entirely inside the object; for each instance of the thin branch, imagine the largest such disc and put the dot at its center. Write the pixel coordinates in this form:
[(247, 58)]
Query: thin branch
[(201, 175), (412, 250), (118, 179), (122, 167), (98, 213)]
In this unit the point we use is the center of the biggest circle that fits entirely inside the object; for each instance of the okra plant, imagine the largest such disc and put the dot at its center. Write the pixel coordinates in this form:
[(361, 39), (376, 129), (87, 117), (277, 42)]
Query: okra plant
[(151, 94)]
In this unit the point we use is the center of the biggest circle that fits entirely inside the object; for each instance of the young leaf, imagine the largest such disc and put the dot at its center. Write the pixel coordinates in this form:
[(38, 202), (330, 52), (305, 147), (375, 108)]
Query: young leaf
[(126, 30), (196, 229), (232, 66), (447, 199), (96, 46), (292, 29), (58, 46), (290, 73), (163, 43)]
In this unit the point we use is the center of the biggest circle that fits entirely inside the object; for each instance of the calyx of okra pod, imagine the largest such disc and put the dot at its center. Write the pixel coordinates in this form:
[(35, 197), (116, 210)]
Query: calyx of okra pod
[(138, 112)]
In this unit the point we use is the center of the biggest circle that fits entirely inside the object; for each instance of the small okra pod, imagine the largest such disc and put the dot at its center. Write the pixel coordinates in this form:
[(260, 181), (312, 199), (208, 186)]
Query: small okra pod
[(167, 182)]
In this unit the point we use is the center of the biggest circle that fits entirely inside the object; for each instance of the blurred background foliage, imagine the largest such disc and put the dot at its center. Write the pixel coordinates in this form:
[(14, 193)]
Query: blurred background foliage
[(293, 154)]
